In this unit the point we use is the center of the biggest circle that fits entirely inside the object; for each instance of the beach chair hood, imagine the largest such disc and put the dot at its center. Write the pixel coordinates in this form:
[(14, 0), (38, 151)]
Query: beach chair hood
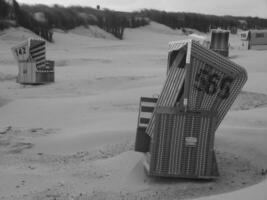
[(206, 81)]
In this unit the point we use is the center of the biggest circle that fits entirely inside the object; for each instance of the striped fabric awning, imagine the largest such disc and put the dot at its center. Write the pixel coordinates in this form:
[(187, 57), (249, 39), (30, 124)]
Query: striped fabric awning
[(37, 52)]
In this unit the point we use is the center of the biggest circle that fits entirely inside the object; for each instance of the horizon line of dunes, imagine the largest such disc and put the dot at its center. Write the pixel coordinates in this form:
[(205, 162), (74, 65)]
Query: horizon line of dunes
[(41, 19)]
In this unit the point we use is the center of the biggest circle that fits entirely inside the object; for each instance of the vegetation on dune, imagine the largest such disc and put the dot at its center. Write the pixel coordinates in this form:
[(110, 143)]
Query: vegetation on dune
[(202, 22), (4, 14), (70, 17), (41, 19)]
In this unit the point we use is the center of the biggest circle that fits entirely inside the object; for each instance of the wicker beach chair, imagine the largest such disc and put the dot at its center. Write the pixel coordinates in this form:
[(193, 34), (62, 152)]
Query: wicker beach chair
[(32, 63), (200, 88)]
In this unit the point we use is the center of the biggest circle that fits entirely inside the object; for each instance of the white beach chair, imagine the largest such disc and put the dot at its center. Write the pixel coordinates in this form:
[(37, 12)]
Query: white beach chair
[(32, 63)]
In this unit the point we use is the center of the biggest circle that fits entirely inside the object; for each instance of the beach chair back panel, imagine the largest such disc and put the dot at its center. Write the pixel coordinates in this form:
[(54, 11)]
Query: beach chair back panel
[(203, 97), (215, 82), (183, 143), (170, 92), (37, 52)]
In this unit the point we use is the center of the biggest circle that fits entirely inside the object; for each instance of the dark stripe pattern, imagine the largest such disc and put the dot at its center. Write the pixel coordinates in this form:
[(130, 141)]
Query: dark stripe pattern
[(38, 54), (146, 108), (142, 140)]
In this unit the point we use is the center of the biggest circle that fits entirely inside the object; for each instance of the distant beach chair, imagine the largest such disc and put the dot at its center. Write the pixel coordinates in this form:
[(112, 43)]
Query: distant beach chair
[(32, 63), (220, 41), (199, 90), (254, 39)]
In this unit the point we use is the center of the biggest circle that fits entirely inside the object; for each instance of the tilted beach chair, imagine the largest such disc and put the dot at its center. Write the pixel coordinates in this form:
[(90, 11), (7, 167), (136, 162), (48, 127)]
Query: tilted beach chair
[(32, 63), (200, 88)]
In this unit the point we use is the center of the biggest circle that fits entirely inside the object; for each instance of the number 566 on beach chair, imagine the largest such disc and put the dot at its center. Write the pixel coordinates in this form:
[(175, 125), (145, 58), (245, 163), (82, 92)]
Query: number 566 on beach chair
[(32, 63), (200, 88)]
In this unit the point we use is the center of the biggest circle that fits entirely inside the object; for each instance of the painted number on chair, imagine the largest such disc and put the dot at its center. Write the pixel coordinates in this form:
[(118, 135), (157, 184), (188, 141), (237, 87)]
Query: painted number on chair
[(21, 51), (211, 83)]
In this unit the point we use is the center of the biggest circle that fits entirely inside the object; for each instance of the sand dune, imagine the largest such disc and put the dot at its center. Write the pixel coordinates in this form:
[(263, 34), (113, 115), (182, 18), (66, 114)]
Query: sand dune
[(92, 31), (74, 139)]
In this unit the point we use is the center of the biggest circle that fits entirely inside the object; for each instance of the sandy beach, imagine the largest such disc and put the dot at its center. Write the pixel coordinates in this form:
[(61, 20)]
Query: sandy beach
[(74, 139)]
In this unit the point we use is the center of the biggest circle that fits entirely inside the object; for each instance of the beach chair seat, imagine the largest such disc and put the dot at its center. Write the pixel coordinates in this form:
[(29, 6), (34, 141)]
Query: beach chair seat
[(183, 145)]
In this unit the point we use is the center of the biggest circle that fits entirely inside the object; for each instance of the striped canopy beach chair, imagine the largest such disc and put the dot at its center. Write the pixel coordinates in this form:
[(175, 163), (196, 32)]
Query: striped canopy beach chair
[(32, 63), (200, 88)]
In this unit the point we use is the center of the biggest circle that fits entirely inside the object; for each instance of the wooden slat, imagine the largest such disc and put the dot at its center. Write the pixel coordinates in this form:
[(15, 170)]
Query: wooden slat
[(144, 120), (147, 109), (147, 99)]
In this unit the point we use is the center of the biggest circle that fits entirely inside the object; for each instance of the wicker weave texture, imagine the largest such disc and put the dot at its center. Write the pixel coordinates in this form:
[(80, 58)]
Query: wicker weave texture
[(215, 82), (182, 145)]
